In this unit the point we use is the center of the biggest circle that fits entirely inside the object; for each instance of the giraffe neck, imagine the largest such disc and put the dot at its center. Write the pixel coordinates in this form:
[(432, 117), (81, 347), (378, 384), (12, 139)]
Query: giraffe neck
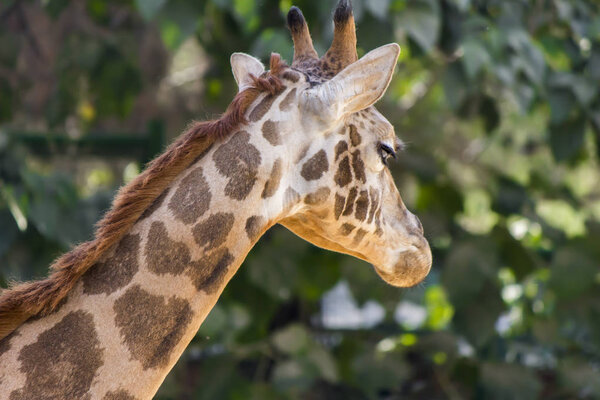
[(131, 316)]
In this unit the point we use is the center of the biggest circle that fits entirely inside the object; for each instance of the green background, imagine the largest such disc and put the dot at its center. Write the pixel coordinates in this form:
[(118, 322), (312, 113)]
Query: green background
[(499, 104)]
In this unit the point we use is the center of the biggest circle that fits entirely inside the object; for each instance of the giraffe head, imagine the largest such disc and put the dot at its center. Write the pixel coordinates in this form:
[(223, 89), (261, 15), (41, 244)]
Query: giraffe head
[(332, 147)]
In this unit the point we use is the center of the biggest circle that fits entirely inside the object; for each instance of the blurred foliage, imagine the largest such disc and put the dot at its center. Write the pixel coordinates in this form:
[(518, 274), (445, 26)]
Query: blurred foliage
[(499, 102)]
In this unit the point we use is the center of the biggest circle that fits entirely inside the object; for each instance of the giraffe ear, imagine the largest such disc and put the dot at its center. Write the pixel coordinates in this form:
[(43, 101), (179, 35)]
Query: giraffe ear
[(362, 83), (243, 65)]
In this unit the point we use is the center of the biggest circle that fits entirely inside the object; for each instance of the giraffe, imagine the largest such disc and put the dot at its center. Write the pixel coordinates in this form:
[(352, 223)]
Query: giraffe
[(302, 146)]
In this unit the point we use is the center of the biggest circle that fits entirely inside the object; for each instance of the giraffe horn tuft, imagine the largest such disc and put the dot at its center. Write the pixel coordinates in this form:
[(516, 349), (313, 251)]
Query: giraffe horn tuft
[(343, 48), (343, 11), (303, 46)]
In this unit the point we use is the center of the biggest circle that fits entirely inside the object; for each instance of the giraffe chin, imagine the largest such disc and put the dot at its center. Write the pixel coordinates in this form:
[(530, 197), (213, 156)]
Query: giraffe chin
[(412, 267)]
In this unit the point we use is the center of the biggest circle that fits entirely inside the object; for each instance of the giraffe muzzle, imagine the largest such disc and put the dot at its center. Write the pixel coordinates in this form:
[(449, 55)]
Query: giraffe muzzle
[(411, 267)]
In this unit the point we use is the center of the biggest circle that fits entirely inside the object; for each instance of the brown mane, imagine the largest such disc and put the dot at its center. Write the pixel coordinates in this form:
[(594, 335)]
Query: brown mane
[(25, 300)]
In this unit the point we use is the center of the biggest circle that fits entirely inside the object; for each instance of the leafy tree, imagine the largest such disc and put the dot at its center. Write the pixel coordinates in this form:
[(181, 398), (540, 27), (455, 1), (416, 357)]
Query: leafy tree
[(499, 104)]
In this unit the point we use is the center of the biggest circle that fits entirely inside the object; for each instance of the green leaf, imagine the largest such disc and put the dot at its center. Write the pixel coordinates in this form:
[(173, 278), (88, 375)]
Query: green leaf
[(273, 40), (513, 253), (178, 21), (324, 361), (294, 375), (149, 8), (490, 113), (475, 58), (562, 102), (440, 197), (462, 5), (455, 86), (566, 138), (439, 310), (379, 8), (421, 19), (530, 59), (564, 280), (291, 340), (510, 198)]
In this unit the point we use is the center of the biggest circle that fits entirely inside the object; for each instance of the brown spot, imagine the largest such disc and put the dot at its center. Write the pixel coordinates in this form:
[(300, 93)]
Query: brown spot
[(378, 231), (120, 394), (208, 273), (339, 205), (317, 197), (238, 160), (340, 149), (343, 176), (354, 136), (163, 255), (192, 198), (287, 101), (358, 237), (151, 326), (63, 362), (358, 166), (154, 206), (346, 229), (261, 108), (214, 230), (272, 184), (362, 206), (115, 272), (374, 203), (291, 76), (315, 166), (270, 131), (350, 202), (254, 226)]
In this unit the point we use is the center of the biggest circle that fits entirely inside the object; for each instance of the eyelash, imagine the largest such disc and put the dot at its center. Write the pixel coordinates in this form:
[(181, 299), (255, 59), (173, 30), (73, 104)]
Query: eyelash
[(386, 152)]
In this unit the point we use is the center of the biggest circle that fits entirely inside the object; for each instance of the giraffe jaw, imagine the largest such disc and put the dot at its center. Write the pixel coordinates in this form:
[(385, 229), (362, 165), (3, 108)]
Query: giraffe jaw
[(408, 267)]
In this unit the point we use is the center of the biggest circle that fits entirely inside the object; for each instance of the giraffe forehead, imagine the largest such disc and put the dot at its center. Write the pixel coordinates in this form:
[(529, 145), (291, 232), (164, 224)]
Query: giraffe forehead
[(371, 123)]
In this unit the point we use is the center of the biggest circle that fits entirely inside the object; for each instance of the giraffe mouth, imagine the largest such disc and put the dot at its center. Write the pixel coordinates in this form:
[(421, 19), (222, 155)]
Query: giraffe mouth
[(411, 268)]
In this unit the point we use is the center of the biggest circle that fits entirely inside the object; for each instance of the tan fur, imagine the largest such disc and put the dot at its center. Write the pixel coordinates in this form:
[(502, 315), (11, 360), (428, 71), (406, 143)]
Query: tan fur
[(303, 46), (25, 300), (343, 47)]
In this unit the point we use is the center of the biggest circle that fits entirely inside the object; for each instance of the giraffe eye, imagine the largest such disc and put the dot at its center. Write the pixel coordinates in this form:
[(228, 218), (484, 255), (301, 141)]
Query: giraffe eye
[(386, 152)]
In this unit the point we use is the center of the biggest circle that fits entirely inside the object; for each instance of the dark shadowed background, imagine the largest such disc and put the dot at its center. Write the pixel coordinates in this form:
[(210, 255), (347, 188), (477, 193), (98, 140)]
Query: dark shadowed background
[(499, 103)]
